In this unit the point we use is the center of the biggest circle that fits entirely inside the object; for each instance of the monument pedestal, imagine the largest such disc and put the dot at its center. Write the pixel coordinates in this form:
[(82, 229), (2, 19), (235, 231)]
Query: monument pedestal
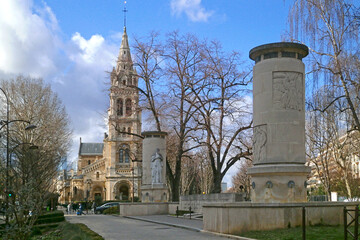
[(153, 188), (154, 193), (279, 183)]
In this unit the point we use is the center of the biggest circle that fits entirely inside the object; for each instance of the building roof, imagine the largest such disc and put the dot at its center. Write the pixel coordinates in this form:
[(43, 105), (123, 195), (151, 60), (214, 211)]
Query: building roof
[(92, 149)]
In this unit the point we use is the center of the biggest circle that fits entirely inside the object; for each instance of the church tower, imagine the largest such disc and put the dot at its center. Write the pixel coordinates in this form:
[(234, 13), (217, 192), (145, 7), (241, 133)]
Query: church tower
[(112, 170), (123, 144)]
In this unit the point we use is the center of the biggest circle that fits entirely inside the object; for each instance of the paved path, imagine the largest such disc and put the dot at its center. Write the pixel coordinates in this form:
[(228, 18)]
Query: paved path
[(186, 223), (120, 228)]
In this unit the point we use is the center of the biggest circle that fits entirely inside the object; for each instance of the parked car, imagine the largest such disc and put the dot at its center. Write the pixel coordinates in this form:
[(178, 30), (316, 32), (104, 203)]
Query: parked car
[(101, 208)]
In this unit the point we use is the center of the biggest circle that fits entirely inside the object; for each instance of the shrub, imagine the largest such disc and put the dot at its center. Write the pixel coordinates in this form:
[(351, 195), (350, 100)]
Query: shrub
[(35, 231), (112, 210), (183, 212), (51, 217), (50, 220), (51, 214)]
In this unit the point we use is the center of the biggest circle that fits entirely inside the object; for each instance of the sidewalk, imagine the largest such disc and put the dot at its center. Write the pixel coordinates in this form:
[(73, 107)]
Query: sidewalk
[(180, 222), (186, 223)]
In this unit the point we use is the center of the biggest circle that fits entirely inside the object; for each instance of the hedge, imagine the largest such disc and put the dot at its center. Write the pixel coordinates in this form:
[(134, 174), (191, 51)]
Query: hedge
[(51, 217), (50, 220), (51, 214), (112, 210)]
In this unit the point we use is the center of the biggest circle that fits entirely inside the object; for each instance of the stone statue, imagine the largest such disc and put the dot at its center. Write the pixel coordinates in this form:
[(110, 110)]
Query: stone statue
[(156, 167)]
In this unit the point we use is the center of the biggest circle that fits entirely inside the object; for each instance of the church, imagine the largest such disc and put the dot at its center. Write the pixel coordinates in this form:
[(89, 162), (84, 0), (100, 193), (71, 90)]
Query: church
[(111, 170)]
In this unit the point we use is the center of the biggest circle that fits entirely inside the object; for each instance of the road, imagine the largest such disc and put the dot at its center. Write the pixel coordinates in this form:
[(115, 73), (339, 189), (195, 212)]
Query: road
[(119, 228)]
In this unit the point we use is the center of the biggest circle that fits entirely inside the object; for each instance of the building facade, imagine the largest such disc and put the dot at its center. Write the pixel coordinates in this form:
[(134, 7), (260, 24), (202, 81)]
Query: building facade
[(111, 170)]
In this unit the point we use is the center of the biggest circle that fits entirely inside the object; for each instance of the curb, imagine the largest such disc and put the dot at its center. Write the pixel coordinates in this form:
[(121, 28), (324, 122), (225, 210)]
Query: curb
[(227, 235)]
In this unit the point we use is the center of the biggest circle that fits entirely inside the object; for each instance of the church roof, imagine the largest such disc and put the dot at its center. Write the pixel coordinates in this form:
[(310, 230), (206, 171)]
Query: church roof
[(92, 149)]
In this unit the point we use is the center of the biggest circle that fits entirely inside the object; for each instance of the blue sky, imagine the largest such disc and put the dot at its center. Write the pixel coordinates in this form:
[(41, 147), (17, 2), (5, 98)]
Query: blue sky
[(72, 43), (238, 24)]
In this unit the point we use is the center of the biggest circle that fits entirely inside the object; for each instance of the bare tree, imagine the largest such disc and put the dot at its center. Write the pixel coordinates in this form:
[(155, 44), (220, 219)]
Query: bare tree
[(182, 69), (223, 112), (330, 147), (33, 170), (319, 137), (148, 59), (331, 29), (241, 181)]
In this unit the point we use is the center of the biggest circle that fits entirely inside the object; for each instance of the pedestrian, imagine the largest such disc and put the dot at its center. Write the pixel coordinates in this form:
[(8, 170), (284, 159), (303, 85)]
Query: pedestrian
[(80, 209), (93, 207), (69, 208)]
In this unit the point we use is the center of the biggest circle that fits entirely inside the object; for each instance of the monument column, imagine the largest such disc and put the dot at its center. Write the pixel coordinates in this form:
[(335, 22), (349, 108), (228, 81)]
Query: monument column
[(279, 173), (153, 187)]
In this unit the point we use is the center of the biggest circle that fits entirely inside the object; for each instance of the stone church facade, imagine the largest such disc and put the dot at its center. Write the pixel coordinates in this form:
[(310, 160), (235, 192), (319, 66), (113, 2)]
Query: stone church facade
[(111, 169)]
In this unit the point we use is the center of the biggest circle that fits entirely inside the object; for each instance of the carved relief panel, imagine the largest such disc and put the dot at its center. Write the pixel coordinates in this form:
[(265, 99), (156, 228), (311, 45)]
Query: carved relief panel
[(259, 143), (288, 90)]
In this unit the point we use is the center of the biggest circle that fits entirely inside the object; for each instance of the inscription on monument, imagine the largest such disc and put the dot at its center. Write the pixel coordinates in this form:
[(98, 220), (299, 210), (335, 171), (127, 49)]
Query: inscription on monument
[(288, 90)]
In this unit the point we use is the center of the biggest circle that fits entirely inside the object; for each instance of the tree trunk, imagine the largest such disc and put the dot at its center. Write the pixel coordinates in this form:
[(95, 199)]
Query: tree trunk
[(347, 185), (216, 186)]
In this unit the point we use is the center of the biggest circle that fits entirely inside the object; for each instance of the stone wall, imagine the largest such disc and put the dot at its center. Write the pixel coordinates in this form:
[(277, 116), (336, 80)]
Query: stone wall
[(243, 217), (143, 209), (198, 200)]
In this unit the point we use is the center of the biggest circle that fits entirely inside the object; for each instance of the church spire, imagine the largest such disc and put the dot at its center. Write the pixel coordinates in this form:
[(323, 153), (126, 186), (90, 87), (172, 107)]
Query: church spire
[(125, 11), (124, 58)]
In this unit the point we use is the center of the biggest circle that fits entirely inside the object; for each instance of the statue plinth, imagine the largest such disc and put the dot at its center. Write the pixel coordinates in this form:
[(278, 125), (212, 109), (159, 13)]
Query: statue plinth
[(153, 188)]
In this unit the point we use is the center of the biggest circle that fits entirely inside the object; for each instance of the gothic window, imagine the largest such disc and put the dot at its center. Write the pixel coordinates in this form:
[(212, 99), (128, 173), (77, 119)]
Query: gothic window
[(127, 156), (119, 107), (121, 155), (129, 81), (129, 129), (89, 162), (124, 154), (128, 107), (97, 175), (75, 190), (124, 82), (123, 130)]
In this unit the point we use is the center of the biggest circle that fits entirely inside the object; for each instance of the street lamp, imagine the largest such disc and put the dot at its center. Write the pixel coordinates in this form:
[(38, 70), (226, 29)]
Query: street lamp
[(6, 123), (133, 159)]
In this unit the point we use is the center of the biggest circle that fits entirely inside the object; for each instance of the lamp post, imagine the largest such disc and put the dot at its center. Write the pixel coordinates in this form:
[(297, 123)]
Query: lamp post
[(132, 200), (6, 123), (134, 159)]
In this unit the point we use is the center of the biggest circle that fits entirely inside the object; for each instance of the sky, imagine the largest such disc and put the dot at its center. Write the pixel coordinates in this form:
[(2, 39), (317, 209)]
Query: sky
[(72, 44)]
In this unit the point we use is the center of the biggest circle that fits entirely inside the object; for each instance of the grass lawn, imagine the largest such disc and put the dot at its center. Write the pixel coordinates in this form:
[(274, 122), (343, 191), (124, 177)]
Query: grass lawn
[(68, 231), (312, 233)]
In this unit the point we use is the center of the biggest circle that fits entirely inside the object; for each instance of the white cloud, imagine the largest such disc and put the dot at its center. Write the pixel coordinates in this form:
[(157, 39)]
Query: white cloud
[(27, 43), (192, 8), (31, 44)]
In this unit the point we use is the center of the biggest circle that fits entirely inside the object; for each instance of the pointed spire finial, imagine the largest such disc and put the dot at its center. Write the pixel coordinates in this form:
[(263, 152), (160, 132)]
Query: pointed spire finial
[(125, 11)]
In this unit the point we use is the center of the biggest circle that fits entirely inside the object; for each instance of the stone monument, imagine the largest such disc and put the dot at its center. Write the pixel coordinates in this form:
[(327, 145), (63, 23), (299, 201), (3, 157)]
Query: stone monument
[(153, 188), (279, 173)]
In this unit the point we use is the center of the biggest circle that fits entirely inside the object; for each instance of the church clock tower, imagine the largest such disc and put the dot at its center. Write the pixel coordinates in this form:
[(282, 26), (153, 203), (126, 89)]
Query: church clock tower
[(123, 144)]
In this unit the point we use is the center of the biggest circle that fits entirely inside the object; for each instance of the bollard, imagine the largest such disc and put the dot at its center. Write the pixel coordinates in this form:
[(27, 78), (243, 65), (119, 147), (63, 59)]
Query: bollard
[(356, 230), (190, 211), (303, 224), (177, 211), (345, 224)]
